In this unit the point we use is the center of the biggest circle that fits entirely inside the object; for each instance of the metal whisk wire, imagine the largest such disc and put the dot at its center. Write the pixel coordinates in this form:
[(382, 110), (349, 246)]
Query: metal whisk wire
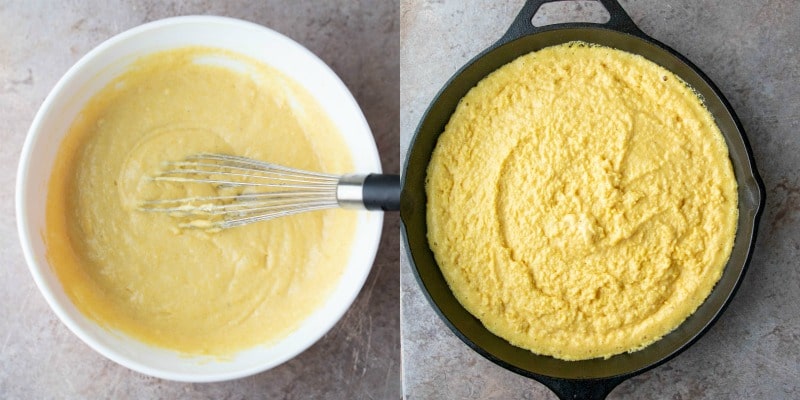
[(265, 191)]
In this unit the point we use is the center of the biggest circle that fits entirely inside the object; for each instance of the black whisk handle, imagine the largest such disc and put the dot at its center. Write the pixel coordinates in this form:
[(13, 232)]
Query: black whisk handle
[(382, 192)]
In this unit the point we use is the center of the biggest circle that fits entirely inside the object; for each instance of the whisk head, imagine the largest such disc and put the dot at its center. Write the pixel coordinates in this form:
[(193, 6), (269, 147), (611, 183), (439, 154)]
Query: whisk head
[(260, 191)]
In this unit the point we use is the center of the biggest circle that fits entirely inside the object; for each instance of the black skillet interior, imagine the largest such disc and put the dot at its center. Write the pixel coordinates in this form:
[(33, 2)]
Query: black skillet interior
[(590, 378)]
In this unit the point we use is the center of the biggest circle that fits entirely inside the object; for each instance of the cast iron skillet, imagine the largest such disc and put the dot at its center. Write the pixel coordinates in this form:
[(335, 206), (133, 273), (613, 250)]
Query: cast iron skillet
[(591, 378)]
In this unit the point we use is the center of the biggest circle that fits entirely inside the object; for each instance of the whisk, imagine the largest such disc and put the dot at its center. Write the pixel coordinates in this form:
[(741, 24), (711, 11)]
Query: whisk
[(265, 191)]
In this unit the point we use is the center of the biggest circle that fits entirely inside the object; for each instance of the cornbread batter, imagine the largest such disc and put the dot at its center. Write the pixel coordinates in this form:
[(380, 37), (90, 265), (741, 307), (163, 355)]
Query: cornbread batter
[(193, 291), (581, 202)]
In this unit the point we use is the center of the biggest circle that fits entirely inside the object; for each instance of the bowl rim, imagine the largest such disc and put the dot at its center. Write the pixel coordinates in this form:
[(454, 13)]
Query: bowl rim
[(27, 234)]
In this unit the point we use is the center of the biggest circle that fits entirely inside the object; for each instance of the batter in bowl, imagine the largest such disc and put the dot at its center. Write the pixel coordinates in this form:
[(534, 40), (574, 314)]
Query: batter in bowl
[(196, 292), (581, 202)]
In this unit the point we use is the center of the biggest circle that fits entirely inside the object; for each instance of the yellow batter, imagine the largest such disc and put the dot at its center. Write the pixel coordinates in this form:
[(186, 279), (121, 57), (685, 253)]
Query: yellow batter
[(189, 290), (581, 202)]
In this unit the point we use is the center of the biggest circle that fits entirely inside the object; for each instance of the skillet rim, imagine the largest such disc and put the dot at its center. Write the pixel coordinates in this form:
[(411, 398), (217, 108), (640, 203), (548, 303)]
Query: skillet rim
[(747, 165)]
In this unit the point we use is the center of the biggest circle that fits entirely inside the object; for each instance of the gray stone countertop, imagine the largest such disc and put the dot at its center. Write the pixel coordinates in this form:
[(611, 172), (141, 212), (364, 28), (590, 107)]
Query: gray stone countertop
[(751, 50), (39, 358)]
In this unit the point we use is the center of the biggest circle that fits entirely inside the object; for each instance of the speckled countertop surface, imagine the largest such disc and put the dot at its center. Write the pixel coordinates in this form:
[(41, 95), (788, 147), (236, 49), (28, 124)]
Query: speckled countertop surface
[(39, 358), (750, 49)]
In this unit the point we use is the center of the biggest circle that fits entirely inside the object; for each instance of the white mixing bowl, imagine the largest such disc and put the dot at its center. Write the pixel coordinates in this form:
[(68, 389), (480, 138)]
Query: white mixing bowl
[(92, 73)]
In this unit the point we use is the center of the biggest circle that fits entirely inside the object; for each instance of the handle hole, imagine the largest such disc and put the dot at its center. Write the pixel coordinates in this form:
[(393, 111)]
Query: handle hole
[(559, 12)]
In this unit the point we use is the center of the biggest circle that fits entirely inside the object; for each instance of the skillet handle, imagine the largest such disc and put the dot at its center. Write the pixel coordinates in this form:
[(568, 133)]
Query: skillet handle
[(522, 26), (591, 389)]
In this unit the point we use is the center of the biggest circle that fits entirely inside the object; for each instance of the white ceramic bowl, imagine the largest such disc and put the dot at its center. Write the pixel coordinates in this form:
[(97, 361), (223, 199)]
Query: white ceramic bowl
[(92, 73)]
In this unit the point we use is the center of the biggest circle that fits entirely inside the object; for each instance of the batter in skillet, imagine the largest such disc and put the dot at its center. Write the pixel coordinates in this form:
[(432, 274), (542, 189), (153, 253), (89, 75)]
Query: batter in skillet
[(581, 202)]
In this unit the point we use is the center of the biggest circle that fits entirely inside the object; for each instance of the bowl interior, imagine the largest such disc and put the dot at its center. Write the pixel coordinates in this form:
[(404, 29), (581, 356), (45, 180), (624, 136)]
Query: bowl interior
[(92, 73), (469, 328)]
